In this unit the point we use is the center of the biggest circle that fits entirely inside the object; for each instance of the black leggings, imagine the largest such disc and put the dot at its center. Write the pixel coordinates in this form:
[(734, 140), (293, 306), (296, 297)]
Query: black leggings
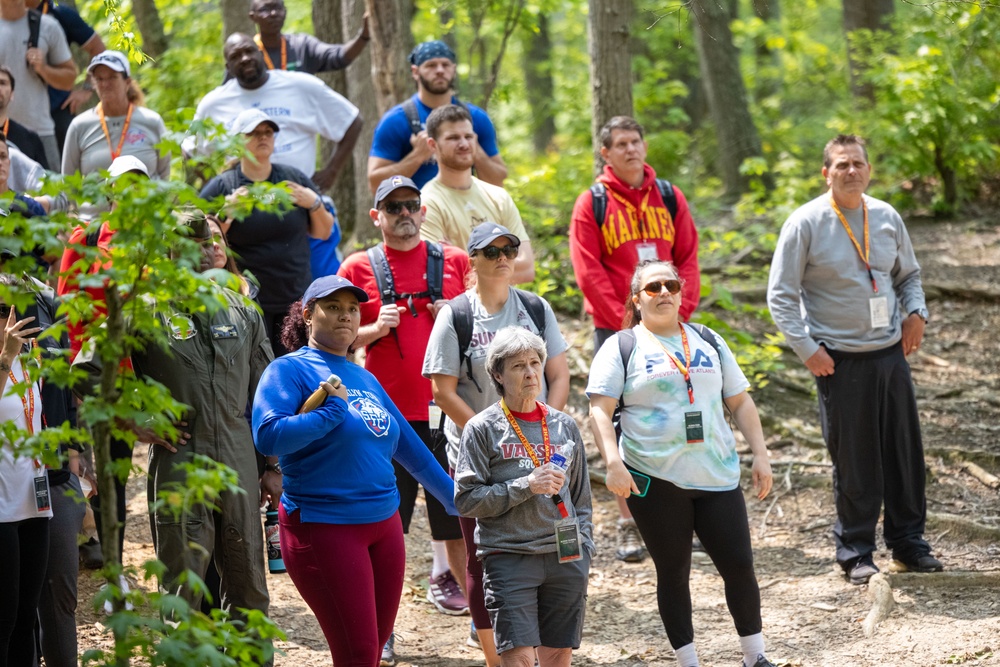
[(23, 559), (666, 517)]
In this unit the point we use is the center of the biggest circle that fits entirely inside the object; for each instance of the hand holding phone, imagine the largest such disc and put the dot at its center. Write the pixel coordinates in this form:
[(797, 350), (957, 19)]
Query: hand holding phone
[(641, 483)]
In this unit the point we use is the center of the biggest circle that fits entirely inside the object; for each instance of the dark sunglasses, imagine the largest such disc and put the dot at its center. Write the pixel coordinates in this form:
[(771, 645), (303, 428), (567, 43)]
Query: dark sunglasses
[(4, 311), (492, 252), (396, 207), (657, 286)]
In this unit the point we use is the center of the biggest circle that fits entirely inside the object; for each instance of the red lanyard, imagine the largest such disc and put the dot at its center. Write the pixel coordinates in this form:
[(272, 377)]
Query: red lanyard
[(267, 57), (684, 368), (27, 400), (857, 246), (546, 444), (107, 135)]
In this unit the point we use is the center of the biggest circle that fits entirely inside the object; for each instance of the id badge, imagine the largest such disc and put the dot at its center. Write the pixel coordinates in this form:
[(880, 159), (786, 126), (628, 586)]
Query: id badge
[(433, 416), (878, 306), (647, 251), (568, 544), (694, 427), (42, 501)]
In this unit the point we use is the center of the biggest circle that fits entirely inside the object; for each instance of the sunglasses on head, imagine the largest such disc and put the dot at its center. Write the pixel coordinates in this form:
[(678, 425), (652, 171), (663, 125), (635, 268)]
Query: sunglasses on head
[(396, 207), (657, 286), (492, 252)]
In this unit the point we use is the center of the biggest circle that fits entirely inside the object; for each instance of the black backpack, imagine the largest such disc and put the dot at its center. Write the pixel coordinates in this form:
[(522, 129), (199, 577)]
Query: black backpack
[(599, 199), (387, 285), (413, 115), (461, 316), (626, 345)]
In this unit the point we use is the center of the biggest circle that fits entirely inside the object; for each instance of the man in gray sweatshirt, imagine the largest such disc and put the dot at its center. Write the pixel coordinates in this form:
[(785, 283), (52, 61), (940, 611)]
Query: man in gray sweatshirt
[(845, 291)]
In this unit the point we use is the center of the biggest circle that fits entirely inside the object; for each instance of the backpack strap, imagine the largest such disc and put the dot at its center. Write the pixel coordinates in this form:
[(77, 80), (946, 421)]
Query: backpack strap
[(599, 202), (626, 346), (383, 274), (461, 319), (435, 271), (34, 27), (412, 116), (535, 307), (668, 195)]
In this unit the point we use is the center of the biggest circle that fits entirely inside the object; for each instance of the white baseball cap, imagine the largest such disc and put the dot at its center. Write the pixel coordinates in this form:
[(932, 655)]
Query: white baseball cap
[(248, 120), (125, 164), (116, 60)]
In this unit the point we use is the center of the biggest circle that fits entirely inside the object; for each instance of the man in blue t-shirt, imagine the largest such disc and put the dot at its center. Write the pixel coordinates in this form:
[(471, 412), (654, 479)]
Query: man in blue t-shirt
[(400, 144)]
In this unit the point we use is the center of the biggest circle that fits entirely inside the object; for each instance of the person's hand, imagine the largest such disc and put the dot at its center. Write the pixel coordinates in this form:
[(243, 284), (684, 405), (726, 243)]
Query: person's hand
[(913, 333), (388, 317), (820, 363), (77, 99), (421, 147), (233, 202), (36, 59), (435, 307), (619, 480), (365, 34), (15, 334), (340, 390), (763, 480), (546, 479), (270, 488), (146, 434), (302, 196), (324, 179)]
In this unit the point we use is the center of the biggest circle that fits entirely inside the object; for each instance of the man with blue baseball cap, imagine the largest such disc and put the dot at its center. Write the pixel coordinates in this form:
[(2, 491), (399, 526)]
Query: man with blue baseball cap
[(400, 146)]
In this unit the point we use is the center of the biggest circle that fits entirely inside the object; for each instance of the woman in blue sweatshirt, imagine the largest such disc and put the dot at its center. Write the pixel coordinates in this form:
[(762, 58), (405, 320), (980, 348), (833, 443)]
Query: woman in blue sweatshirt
[(341, 536)]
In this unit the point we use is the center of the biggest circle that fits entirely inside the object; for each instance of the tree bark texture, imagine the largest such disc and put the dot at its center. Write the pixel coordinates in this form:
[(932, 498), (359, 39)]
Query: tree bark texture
[(537, 60), (610, 65), (236, 18), (147, 18), (870, 15), (361, 91), (727, 99), (392, 41)]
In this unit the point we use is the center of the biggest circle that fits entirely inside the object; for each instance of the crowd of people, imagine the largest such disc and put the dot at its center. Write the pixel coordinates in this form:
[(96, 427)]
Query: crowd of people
[(465, 377)]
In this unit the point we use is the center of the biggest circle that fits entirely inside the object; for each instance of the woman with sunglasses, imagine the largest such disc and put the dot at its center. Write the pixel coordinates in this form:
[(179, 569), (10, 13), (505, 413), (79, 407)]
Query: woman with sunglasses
[(461, 386), (273, 245), (676, 460)]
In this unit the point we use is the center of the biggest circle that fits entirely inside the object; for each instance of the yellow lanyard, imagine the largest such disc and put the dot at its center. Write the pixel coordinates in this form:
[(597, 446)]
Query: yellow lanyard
[(107, 135), (267, 57), (546, 444), (857, 246), (27, 400)]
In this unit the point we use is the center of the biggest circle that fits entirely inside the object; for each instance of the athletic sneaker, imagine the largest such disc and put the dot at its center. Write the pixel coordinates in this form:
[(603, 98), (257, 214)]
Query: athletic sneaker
[(473, 640), (761, 662), (123, 585), (445, 594), (630, 547), (389, 652), (922, 563), (862, 570)]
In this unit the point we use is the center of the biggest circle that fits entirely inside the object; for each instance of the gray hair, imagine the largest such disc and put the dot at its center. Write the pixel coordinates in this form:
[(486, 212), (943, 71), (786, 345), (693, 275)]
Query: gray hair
[(510, 342)]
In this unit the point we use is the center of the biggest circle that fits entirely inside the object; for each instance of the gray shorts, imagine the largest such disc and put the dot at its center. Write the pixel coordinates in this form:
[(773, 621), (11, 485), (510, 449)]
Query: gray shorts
[(534, 600)]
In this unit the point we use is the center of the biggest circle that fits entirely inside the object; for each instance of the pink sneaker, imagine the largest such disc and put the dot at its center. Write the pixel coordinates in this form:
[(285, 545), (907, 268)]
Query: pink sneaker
[(445, 594)]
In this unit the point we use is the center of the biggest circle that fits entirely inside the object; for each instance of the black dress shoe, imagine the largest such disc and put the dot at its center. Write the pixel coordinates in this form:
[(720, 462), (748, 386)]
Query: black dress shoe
[(924, 563)]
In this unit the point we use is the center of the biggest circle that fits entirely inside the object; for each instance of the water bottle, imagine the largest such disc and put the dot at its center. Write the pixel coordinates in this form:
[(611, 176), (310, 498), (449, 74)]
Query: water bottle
[(560, 459), (275, 564)]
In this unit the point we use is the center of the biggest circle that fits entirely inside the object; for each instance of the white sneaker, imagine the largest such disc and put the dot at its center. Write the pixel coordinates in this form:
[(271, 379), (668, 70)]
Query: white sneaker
[(123, 584)]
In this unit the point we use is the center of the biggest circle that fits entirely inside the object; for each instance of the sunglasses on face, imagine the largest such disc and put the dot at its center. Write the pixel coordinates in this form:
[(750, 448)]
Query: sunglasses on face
[(656, 287), (265, 133), (492, 252), (396, 207), (4, 311)]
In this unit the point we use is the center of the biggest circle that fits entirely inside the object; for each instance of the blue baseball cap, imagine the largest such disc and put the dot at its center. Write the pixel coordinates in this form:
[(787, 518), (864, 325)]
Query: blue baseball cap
[(435, 48), (327, 285)]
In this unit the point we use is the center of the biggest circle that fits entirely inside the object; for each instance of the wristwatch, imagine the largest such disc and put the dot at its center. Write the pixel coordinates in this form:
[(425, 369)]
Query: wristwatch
[(273, 467), (922, 314)]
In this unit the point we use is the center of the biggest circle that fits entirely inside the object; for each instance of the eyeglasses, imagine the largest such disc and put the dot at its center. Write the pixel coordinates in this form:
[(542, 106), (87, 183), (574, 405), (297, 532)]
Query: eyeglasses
[(265, 133), (656, 287), (492, 252), (396, 207)]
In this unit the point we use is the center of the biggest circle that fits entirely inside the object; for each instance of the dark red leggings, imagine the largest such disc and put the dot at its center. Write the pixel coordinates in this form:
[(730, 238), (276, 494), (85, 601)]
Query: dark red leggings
[(351, 576), (474, 576)]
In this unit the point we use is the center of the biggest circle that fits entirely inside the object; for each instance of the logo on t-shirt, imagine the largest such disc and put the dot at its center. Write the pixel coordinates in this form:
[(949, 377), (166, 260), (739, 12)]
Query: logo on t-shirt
[(373, 414)]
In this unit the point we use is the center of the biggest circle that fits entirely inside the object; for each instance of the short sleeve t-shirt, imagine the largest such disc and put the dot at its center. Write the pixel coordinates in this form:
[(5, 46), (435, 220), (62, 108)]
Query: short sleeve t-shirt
[(87, 149), (442, 357), (453, 214), (17, 475), (397, 359), (30, 106), (654, 436), (392, 136)]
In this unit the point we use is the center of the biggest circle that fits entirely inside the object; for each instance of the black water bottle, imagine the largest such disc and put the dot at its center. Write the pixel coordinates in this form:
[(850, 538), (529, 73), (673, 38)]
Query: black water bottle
[(275, 564)]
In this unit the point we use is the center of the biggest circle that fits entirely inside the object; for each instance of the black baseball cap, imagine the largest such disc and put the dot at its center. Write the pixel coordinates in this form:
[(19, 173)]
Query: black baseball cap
[(488, 232)]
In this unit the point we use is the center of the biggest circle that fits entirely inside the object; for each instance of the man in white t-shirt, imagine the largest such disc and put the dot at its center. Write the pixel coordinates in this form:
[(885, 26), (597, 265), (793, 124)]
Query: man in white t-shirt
[(35, 66), (302, 105)]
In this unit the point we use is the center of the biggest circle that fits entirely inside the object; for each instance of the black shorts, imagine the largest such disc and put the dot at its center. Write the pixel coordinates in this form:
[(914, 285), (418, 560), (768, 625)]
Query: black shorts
[(443, 525)]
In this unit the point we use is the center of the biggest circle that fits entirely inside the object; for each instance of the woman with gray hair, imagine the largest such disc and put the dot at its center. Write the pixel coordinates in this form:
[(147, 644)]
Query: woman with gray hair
[(522, 473)]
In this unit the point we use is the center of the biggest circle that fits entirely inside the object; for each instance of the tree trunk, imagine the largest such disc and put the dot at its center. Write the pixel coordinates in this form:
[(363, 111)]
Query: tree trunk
[(147, 19), (537, 61), (236, 18), (870, 15), (392, 41), (610, 66), (948, 177), (727, 99)]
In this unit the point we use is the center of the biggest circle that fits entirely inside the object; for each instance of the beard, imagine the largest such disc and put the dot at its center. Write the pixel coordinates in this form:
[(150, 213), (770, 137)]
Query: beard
[(405, 229), (436, 86)]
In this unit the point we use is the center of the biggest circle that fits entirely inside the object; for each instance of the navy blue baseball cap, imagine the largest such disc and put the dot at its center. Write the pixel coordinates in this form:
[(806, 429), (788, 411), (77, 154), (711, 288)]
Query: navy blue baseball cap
[(435, 48), (327, 285), (391, 184), (488, 232)]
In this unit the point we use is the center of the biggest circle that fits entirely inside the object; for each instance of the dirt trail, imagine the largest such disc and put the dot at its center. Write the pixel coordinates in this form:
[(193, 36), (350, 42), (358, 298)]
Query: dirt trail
[(811, 615)]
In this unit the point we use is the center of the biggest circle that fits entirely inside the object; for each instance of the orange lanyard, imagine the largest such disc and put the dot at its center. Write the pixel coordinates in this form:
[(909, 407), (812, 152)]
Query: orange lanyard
[(27, 400), (107, 135), (857, 246), (546, 444), (684, 368), (267, 57), (640, 213), (6, 124)]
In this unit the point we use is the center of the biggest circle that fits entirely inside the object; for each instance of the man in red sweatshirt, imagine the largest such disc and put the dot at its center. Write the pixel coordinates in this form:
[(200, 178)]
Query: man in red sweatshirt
[(628, 216)]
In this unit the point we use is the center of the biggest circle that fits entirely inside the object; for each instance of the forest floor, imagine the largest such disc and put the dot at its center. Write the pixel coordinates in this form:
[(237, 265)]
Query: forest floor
[(811, 615)]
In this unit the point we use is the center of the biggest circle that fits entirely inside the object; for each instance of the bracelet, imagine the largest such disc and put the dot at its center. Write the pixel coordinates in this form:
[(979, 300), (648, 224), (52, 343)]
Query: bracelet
[(273, 467), (316, 205)]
